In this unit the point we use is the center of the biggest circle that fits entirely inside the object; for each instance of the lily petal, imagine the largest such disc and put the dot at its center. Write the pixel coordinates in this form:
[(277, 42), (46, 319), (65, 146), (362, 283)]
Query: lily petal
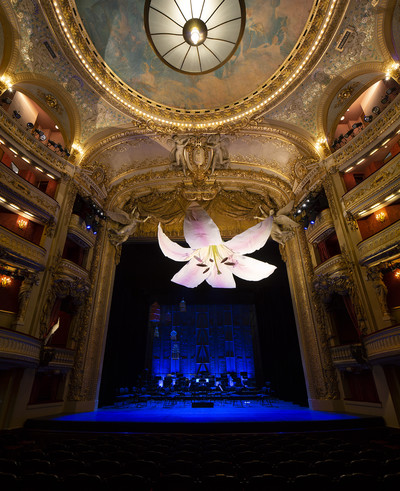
[(251, 239), (199, 228), (190, 275), (172, 249), (251, 269), (223, 280)]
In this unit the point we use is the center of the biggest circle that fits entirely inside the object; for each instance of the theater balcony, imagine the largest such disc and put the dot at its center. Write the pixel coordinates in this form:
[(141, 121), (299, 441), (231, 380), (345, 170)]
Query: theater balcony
[(18, 349), (78, 232), (20, 251), (346, 356), (375, 191), (381, 246), (384, 345), (322, 228), (71, 271), (331, 266)]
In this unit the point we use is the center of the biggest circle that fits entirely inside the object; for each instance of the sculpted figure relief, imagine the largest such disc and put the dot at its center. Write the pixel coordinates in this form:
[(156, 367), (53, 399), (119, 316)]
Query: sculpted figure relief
[(129, 222), (178, 152), (220, 158), (282, 226)]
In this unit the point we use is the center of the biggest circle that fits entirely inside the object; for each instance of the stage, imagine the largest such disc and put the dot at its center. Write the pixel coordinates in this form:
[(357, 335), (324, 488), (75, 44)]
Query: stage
[(239, 417)]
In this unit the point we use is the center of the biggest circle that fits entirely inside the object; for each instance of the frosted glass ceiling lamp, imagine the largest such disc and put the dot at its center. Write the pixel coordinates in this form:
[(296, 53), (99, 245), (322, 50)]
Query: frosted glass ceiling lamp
[(194, 36)]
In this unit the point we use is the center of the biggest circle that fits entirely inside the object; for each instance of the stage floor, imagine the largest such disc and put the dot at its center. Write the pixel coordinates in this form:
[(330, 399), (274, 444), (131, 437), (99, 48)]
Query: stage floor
[(243, 417)]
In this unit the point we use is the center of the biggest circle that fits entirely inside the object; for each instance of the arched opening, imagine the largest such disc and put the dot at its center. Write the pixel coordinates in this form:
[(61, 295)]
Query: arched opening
[(35, 120), (372, 102), (143, 277)]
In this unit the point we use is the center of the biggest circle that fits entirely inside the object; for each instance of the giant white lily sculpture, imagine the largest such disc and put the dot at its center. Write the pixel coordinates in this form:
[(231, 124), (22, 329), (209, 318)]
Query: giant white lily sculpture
[(211, 259)]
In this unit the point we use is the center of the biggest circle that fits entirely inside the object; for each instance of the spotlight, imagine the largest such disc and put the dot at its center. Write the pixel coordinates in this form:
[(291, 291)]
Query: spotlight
[(368, 119)]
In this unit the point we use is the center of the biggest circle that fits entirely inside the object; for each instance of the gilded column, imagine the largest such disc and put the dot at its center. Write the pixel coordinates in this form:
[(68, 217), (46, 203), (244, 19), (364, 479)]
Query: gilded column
[(319, 372), (85, 379)]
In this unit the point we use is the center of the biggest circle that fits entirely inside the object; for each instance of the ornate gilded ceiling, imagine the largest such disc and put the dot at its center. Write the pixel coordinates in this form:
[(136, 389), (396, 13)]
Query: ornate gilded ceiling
[(272, 102)]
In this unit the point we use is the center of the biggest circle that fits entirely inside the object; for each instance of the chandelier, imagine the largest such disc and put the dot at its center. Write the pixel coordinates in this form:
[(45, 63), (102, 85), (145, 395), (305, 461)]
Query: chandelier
[(194, 36)]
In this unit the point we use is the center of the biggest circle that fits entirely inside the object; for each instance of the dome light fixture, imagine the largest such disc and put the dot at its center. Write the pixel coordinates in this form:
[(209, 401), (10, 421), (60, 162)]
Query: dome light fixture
[(194, 36)]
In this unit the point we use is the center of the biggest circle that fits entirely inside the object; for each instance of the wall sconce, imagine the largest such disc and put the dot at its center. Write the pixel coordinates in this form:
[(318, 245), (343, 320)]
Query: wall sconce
[(5, 281), (397, 274), (22, 223), (381, 217)]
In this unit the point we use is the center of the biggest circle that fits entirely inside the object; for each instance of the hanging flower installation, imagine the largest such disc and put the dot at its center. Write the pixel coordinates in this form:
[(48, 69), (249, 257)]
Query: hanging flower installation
[(211, 259)]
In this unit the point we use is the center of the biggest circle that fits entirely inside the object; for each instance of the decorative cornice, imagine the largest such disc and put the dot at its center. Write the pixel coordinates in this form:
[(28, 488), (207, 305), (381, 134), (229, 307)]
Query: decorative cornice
[(18, 347), (20, 251), (235, 177), (384, 245)]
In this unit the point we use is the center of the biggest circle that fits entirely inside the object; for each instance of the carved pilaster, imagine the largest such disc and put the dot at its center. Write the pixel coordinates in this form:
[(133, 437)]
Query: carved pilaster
[(25, 290), (93, 322), (312, 331), (375, 275)]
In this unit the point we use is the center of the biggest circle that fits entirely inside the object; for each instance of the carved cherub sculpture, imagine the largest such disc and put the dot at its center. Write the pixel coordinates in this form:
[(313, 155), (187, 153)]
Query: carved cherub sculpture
[(129, 222), (282, 226)]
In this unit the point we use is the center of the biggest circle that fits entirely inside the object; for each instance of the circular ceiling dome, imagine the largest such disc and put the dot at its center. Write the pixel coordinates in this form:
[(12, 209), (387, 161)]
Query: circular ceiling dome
[(193, 36)]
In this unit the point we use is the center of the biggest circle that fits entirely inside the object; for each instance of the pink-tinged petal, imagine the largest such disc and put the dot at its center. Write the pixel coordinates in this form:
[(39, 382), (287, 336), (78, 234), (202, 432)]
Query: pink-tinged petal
[(172, 249), (251, 269), (190, 275), (223, 280), (199, 229), (251, 239)]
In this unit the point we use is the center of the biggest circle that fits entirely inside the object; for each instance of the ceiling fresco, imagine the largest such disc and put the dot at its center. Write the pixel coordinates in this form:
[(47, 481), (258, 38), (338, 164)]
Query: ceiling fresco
[(272, 30)]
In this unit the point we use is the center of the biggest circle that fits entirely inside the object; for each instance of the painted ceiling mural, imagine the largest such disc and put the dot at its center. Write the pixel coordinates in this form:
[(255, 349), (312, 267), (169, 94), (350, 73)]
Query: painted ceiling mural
[(272, 28)]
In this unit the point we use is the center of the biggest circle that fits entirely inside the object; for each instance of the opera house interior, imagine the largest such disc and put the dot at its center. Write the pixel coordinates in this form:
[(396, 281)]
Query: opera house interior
[(111, 145)]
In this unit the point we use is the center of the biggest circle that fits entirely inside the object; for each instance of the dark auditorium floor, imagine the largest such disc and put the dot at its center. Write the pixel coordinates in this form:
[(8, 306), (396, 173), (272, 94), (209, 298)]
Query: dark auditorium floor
[(354, 459)]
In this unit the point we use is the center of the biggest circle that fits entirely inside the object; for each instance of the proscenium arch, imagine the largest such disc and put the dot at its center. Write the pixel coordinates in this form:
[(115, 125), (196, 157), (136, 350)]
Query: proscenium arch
[(11, 54), (384, 22), (61, 95), (376, 70)]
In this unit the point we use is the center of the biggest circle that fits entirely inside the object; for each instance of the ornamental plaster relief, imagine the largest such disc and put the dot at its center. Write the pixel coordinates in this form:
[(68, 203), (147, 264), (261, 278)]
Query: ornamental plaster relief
[(35, 57), (300, 108)]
